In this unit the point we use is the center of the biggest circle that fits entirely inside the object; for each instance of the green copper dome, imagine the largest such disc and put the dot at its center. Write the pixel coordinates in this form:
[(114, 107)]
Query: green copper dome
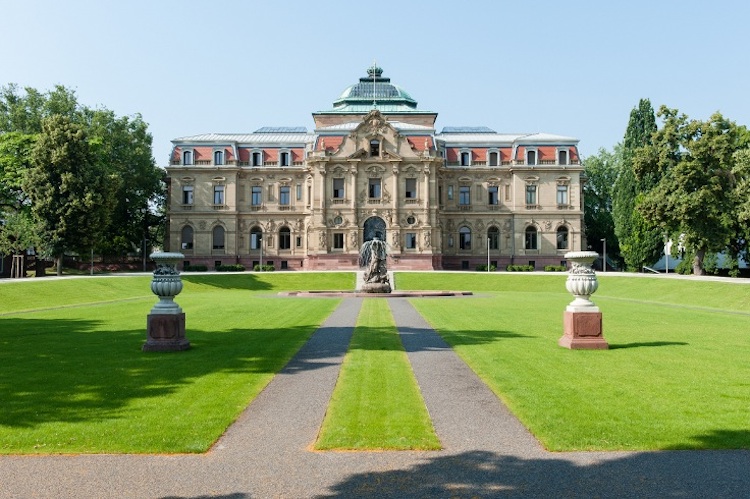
[(374, 91)]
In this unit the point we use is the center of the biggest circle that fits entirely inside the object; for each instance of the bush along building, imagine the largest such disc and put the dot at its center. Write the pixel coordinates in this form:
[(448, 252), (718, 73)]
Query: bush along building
[(375, 166)]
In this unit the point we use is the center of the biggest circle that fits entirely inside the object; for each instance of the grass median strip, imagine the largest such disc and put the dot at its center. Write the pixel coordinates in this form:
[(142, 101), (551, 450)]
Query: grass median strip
[(376, 403)]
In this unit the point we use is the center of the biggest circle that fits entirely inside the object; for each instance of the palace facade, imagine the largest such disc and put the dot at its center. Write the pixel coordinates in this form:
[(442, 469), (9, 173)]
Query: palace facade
[(375, 166)]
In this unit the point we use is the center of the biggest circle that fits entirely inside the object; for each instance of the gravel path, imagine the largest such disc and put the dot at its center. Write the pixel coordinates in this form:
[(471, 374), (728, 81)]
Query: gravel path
[(487, 452)]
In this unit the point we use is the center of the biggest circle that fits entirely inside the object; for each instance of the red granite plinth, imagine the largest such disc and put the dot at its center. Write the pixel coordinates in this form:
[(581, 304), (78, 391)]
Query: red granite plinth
[(583, 331), (166, 333)]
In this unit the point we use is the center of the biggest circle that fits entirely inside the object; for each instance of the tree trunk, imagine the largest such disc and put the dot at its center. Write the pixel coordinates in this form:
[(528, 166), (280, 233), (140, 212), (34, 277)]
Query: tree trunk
[(59, 264), (698, 262), (40, 267)]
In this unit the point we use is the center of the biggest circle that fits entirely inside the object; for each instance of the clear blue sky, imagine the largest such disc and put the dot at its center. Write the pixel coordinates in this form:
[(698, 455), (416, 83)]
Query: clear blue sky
[(569, 68)]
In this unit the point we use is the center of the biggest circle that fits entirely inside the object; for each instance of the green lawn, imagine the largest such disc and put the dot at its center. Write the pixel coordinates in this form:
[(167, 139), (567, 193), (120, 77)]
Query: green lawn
[(75, 380), (376, 403), (677, 375)]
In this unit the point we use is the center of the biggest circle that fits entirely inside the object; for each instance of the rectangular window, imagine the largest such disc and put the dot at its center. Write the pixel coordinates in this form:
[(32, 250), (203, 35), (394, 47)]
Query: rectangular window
[(493, 159), (299, 192), (256, 198), (284, 159), (338, 188), (187, 194), (507, 192), (338, 240), (374, 188), (450, 193), (465, 158), (411, 240), (492, 197), (299, 242), (531, 194), (284, 195), (562, 195), (257, 159), (255, 238), (531, 157), (464, 195), (411, 188), (218, 194), (562, 157)]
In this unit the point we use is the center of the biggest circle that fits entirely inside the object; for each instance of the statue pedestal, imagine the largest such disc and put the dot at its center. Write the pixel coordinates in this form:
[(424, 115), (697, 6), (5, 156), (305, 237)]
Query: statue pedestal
[(583, 331), (165, 333)]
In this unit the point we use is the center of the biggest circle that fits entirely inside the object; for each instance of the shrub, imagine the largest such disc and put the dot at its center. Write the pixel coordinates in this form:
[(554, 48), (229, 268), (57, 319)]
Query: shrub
[(195, 268), (520, 268), (264, 268), (555, 268), (483, 268), (230, 268)]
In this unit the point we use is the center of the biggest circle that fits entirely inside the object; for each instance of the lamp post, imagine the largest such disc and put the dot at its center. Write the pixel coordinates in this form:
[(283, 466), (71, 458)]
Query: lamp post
[(604, 256)]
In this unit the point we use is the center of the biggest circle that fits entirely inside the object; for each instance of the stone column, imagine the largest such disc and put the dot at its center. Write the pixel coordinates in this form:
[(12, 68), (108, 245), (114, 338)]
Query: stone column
[(582, 320), (166, 323)]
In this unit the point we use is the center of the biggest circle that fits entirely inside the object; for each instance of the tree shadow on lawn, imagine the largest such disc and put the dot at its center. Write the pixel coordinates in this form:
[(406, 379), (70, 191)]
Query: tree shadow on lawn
[(229, 281), (70, 370), (489, 474)]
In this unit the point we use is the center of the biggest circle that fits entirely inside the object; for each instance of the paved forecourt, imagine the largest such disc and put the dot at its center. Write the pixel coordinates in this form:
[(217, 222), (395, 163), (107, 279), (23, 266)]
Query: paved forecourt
[(487, 452)]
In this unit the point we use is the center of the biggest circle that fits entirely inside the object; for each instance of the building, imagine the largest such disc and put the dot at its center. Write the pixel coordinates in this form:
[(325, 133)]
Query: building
[(375, 166)]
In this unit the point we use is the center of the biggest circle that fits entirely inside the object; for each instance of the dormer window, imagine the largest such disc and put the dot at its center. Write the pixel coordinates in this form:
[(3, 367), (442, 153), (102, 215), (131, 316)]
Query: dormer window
[(465, 158), (256, 158), (493, 158), (218, 157), (375, 148), (562, 156), (531, 156), (284, 158), (187, 158)]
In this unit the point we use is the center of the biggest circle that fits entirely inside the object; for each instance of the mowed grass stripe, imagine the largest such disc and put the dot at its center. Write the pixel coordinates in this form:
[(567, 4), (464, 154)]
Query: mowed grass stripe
[(377, 403)]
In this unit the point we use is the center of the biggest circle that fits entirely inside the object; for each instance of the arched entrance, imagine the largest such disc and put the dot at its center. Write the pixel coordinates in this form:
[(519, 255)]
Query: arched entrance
[(374, 227)]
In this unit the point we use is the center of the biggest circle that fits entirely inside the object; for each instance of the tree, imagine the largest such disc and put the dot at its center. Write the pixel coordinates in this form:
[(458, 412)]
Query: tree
[(694, 196), (601, 172), (122, 146), (640, 242), (68, 189)]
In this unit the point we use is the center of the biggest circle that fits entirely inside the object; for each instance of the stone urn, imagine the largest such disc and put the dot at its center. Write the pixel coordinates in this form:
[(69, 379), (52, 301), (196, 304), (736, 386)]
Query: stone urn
[(166, 283), (582, 281), (582, 320), (166, 323)]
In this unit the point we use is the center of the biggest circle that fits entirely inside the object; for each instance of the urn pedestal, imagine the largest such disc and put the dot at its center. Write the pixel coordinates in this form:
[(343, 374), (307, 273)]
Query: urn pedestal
[(165, 325), (582, 320)]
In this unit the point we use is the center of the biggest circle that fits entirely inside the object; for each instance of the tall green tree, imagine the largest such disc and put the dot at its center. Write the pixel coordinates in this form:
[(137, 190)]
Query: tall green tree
[(694, 196), (601, 172), (122, 145), (640, 241), (68, 189)]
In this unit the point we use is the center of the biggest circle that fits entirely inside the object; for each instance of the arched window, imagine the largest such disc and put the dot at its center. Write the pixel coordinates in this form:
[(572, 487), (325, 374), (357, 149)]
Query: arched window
[(562, 238), (285, 238), (464, 238), (256, 235), (493, 235), (218, 237), (187, 237), (187, 158), (218, 157), (531, 238)]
